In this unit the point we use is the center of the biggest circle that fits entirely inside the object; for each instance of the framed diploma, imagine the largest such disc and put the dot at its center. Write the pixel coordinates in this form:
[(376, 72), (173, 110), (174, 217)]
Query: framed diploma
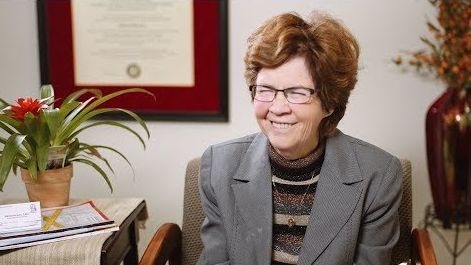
[(176, 49)]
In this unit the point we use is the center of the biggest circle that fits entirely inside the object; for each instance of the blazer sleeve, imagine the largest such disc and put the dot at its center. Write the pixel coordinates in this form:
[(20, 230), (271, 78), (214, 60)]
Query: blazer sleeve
[(213, 233), (379, 231)]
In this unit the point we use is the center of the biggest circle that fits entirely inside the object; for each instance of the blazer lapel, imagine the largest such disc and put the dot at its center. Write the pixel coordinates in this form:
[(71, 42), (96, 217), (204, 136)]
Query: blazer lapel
[(337, 195), (252, 191)]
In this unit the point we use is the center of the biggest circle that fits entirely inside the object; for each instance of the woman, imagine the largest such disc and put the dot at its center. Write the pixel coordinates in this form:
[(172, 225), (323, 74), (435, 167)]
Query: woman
[(301, 191)]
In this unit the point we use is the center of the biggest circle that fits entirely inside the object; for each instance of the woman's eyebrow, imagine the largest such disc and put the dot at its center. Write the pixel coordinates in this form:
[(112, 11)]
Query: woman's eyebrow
[(265, 85), (290, 87)]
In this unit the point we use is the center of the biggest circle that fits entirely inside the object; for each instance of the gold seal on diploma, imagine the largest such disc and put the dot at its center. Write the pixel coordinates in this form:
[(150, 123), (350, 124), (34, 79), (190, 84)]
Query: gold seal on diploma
[(133, 70)]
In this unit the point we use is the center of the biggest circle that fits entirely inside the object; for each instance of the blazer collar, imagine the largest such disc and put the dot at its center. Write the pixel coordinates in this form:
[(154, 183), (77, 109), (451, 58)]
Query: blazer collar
[(337, 195), (255, 161), (253, 196), (340, 158)]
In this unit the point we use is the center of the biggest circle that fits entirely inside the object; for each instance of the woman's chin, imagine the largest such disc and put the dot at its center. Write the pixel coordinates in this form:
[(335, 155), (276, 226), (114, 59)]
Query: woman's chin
[(283, 148)]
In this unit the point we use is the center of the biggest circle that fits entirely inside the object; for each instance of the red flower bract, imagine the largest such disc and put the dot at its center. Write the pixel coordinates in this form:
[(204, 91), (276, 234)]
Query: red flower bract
[(26, 105)]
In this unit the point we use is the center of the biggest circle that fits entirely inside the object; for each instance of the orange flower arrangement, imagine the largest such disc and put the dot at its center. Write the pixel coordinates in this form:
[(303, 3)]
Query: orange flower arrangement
[(449, 55)]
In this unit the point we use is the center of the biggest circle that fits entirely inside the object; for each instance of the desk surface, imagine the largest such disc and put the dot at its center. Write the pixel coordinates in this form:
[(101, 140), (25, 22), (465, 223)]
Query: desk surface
[(98, 249)]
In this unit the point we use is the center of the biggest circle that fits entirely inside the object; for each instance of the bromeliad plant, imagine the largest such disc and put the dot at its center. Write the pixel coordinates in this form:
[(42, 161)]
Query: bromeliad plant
[(34, 133)]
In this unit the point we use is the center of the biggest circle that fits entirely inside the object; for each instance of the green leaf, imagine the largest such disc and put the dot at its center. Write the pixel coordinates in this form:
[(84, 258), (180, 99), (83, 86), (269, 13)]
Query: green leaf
[(72, 151), (32, 134), (19, 162), (9, 154), (59, 139), (72, 124), (22, 155), (29, 148), (32, 167), (72, 97), (138, 119), (30, 125), (66, 108), (97, 168), (111, 123), (113, 150), (93, 152), (42, 149), (104, 99), (47, 95), (14, 169), (76, 112), (12, 123), (3, 104), (7, 128), (53, 120)]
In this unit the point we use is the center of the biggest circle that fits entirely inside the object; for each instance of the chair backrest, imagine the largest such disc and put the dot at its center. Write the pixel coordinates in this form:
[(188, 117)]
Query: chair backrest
[(402, 250), (193, 216)]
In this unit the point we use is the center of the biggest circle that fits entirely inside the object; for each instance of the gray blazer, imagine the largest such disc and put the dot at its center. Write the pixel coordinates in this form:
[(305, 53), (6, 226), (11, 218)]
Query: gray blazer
[(354, 218)]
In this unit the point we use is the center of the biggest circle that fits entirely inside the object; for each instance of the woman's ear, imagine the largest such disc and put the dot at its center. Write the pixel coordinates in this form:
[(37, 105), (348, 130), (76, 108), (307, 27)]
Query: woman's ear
[(327, 113)]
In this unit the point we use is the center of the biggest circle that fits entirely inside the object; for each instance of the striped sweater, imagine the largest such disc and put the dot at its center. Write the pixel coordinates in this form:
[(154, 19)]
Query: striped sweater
[(294, 187)]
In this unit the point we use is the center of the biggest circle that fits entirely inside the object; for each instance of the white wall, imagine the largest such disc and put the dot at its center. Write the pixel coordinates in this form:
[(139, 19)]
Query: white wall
[(387, 108)]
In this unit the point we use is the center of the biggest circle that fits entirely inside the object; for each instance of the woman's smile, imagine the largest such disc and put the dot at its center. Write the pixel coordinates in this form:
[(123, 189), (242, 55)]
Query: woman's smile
[(281, 125)]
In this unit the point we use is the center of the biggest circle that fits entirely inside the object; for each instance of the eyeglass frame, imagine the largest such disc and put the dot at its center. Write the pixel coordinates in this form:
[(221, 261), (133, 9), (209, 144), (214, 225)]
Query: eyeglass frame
[(285, 91)]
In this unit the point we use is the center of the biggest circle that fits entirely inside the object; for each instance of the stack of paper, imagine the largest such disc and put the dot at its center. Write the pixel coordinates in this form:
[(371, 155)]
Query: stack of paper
[(58, 224)]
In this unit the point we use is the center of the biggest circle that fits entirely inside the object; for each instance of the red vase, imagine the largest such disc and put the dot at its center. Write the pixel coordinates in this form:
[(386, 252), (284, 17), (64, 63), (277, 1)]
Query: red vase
[(448, 129)]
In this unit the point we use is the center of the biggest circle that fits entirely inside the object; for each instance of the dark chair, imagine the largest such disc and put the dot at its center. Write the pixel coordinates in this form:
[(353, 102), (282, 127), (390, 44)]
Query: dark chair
[(184, 246)]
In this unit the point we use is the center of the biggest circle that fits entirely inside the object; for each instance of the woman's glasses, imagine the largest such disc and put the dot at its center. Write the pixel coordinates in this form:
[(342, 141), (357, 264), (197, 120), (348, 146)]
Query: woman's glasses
[(295, 95)]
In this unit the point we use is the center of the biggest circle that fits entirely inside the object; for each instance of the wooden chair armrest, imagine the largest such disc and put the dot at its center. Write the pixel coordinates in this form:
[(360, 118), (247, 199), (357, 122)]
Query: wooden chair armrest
[(164, 246), (422, 249)]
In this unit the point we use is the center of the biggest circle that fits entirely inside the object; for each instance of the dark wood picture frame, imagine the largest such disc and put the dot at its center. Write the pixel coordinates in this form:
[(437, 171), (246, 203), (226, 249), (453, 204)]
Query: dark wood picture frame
[(207, 100)]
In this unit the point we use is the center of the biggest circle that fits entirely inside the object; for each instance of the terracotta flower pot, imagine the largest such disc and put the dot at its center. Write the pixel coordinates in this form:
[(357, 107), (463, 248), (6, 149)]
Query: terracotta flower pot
[(52, 188)]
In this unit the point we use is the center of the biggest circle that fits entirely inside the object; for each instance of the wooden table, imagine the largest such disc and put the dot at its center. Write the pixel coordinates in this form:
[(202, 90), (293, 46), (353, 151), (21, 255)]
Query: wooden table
[(109, 249)]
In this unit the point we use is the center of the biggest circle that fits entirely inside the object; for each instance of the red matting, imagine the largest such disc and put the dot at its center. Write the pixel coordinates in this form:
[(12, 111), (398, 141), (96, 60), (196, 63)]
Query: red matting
[(206, 101)]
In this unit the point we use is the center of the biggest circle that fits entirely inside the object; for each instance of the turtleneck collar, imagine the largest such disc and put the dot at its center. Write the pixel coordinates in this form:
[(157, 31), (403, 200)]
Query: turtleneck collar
[(301, 165)]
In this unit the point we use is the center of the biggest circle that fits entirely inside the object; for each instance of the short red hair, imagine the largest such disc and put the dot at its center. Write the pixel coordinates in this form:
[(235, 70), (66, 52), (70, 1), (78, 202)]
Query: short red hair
[(330, 50)]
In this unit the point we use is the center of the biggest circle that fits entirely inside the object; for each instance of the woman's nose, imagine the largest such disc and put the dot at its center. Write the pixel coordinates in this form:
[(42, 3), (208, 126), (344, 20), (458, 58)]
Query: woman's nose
[(280, 104)]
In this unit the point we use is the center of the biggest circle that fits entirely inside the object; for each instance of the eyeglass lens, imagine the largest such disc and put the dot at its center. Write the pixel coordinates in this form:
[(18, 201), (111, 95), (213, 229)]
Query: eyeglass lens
[(297, 95)]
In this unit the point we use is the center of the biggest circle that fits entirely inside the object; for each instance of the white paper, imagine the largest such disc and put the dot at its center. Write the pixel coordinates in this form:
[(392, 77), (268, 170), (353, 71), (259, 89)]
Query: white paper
[(20, 217), (73, 216), (61, 222), (52, 238), (129, 42)]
